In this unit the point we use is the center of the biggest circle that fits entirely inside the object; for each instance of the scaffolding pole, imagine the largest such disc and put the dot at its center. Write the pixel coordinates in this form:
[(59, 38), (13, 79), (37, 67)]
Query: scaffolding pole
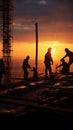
[(36, 59)]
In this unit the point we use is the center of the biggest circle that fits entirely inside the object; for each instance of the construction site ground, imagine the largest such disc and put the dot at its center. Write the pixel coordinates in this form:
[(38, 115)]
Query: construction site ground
[(40, 99)]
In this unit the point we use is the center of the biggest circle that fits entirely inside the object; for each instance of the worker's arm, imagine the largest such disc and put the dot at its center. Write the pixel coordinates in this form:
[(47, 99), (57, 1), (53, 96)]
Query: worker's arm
[(59, 66), (63, 57)]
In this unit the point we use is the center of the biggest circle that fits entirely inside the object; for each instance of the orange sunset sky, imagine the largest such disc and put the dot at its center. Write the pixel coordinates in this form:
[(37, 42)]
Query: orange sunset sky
[(55, 27)]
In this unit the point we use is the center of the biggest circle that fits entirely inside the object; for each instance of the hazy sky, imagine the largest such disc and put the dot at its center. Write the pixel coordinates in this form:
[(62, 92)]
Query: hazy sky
[(55, 27), (54, 17)]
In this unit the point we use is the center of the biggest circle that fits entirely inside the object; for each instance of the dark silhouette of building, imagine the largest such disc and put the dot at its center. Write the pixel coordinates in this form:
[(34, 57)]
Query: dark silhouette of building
[(65, 67), (48, 61), (6, 11), (70, 55), (25, 67)]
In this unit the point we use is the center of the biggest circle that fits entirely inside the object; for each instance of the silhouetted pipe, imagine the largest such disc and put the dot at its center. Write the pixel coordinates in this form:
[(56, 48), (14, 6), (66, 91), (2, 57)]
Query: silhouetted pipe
[(36, 61)]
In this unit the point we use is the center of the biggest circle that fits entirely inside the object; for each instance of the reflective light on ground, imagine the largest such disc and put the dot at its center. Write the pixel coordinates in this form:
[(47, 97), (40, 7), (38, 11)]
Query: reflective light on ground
[(20, 87)]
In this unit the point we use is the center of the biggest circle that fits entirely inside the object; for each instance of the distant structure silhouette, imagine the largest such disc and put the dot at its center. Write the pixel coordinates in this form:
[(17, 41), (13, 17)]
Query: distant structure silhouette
[(70, 55), (48, 61), (65, 67), (25, 67), (6, 23), (2, 70)]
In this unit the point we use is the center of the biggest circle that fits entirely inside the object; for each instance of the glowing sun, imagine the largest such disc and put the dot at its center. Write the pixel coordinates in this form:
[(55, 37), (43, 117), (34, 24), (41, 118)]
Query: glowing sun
[(53, 51)]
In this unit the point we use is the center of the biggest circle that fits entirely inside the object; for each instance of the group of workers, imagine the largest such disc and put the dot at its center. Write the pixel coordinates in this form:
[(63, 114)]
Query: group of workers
[(65, 66), (48, 61)]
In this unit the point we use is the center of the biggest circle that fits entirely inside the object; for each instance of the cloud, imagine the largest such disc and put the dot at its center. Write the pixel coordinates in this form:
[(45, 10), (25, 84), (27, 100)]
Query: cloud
[(42, 2), (21, 27), (52, 15), (50, 10), (33, 10)]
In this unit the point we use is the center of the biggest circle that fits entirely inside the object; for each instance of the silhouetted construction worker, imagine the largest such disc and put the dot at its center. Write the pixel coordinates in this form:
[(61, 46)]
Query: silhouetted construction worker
[(25, 67), (48, 61), (70, 55), (2, 70), (65, 67)]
